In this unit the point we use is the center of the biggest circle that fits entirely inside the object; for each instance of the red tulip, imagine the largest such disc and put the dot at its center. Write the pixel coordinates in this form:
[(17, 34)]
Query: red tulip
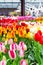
[(37, 36), (41, 40), (27, 30), (39, 31), (23, 24)]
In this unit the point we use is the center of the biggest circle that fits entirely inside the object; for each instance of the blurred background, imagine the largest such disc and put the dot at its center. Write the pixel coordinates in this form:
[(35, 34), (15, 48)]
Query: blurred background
[(13, 7)]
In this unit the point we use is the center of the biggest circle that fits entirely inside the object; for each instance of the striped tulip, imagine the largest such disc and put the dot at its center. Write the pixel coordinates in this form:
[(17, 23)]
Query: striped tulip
[(13, 46), (12, 54), (22, 46)]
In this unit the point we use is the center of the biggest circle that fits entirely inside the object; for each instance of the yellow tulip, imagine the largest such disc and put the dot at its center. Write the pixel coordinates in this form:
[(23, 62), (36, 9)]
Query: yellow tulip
[(0, 32), (4, 58), (38, 27), (15, 39), (0, 27), (24, 32), (3, 35), (13, 34), (16, 31), (4, 30), (28, 35), (6, 39), (9, 35), (3, 39)]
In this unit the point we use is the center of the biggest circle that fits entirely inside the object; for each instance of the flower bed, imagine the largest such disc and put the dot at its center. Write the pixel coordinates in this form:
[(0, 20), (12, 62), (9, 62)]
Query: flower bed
[(39, 19), (21, 43), (26, 18)]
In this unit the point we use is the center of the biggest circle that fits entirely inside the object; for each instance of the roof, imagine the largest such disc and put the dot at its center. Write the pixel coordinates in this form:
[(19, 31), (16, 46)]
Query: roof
[(15, 3), (9, 4)]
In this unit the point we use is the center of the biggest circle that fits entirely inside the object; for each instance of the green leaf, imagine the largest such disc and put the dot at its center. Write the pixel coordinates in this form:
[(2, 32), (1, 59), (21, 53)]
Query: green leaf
[(1, 56), (7, 56), (16, 61), (7, 46), (9, 62), (0, 38)]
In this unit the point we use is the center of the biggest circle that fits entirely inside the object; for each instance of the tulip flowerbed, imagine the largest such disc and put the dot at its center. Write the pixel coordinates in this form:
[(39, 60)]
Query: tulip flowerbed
[(22, 18), (39, 19), (21, 43)]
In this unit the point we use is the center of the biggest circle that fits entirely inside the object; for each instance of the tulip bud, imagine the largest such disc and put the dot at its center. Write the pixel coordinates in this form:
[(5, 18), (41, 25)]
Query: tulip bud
[(13, 46), (3, 62), (5, 43), (23, 62), (22, 46), (25, 47), (0, 47), (12, 54), (21, 53), (4, 58), (4, 50), (10, 41)]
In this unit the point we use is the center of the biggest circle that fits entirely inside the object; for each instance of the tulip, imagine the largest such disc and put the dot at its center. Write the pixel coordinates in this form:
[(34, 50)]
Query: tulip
[(25, 47), (23, 62), (22, 46), (4, 57), (3, 62), (10, 41), (15, 39), (5, 42), (4, 50), (0, 46), (13, 46), (33, 29), (21, 53), (12, 54)]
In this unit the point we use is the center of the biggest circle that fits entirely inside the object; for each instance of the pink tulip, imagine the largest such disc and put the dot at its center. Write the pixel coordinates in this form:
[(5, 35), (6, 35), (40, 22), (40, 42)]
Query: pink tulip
[(0, 46), (3, 62), (12, 54), (10, 41), (4, 50), (22, 46), (13, 46), (23, 62), (21, 53)]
